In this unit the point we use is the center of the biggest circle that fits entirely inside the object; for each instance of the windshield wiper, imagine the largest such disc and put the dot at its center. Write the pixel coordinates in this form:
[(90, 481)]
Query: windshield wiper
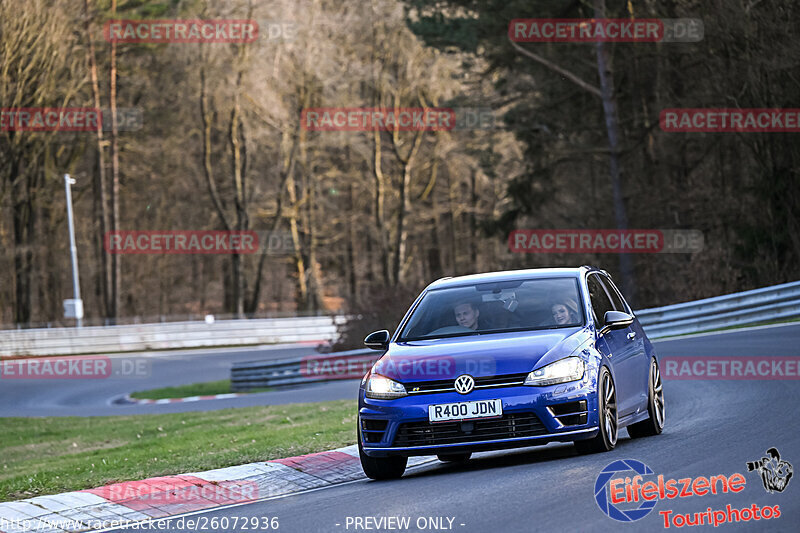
[(445, 336)]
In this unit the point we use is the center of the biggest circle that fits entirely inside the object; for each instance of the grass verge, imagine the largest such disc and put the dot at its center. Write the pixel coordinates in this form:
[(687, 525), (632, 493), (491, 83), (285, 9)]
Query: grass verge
[(41, 456), (208, 388)]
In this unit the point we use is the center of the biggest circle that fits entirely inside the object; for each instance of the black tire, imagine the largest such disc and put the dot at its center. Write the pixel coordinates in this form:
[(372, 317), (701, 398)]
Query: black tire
[(454, 457), (380, 468), (654, 423), (606, 438)]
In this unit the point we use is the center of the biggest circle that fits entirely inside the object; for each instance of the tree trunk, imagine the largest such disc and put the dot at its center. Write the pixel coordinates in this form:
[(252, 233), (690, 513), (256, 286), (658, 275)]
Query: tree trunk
[(380, 181), (612, 128), (242, 223), (100, 185), (473, 222), (314, 277), (313, 298), (115, 258), (351, 246), (299, 263), (451, 226), (380, 216), (23, 227), (401, 237)]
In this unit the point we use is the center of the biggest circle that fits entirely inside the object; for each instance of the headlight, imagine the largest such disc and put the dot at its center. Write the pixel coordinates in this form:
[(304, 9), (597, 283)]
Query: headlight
[(381, 388), (567, 369)]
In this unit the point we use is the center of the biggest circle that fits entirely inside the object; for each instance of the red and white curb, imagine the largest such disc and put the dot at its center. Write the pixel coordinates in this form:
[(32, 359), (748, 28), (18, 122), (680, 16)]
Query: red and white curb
[(138, 501), (137, 401)]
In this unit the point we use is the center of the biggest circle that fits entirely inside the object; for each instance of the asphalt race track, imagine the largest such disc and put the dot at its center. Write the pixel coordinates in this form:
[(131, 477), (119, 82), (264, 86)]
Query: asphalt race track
[(99, 397), (713, 427)]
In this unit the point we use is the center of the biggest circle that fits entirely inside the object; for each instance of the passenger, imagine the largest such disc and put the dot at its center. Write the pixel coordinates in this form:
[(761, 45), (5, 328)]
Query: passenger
[(565, 312), (466, 314)]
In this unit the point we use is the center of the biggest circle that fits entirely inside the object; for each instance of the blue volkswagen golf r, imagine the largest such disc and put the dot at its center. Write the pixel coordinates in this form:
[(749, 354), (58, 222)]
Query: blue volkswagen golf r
[(508, 359)]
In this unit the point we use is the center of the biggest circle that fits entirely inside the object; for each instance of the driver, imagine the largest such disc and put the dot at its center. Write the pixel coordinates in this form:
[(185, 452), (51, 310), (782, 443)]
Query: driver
[(466, 314)]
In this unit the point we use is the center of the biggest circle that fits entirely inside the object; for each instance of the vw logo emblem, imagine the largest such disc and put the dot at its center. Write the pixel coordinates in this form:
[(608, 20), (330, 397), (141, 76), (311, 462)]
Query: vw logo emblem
[(464, 384)]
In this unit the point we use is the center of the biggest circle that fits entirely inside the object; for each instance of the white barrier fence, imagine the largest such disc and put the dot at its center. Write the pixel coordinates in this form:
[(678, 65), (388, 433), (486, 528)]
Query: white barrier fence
[(169, 335)]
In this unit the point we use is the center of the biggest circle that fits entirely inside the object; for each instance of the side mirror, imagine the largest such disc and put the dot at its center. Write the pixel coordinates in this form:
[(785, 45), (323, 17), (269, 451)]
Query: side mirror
[(616, 320), (377, 340)]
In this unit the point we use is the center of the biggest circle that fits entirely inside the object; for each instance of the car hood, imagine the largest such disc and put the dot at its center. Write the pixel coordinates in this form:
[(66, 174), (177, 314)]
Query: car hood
[(479, 356)]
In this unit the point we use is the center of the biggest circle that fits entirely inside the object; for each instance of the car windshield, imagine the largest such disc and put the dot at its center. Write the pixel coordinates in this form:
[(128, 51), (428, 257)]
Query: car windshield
[(496, 307)]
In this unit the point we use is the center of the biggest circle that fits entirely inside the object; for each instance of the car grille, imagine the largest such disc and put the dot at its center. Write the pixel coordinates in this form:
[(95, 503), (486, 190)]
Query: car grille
[(511, 425), (447, 385)]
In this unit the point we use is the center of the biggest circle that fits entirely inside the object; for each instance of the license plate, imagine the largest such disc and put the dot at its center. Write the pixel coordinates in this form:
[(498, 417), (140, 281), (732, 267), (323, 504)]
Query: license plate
[(465, 410)]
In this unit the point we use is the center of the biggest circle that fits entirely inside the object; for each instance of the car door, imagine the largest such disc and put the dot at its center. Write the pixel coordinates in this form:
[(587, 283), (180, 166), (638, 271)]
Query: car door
[(642, 365), (620, 347)]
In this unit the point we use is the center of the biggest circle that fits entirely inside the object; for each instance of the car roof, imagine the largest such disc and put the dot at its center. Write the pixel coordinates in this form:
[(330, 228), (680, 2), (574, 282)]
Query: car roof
[(506, 275)]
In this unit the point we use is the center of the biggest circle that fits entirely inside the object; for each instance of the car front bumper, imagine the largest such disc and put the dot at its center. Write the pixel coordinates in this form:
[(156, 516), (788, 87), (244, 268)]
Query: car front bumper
[(546, 412)]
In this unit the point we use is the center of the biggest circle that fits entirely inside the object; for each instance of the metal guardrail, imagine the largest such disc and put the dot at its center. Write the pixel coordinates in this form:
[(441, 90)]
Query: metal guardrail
[(170, 335), (738, 309)]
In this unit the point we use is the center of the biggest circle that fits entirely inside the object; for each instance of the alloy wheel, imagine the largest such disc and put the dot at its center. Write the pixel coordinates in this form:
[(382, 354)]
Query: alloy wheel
[(658, 396), (610, 409)]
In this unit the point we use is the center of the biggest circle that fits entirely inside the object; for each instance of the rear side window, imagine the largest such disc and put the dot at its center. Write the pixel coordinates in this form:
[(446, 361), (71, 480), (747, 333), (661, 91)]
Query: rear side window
[(599, 299), (616, 298)]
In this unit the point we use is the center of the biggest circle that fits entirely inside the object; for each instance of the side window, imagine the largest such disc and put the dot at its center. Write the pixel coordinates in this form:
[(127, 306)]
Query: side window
[(599, 299), (616, 296)]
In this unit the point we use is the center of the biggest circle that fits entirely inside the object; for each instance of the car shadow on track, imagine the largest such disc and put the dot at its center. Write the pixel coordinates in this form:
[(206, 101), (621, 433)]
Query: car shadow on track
[(521, 457)]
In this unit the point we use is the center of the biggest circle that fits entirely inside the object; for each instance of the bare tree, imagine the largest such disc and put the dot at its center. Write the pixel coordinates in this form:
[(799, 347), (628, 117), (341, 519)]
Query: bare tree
[(37, 69)]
